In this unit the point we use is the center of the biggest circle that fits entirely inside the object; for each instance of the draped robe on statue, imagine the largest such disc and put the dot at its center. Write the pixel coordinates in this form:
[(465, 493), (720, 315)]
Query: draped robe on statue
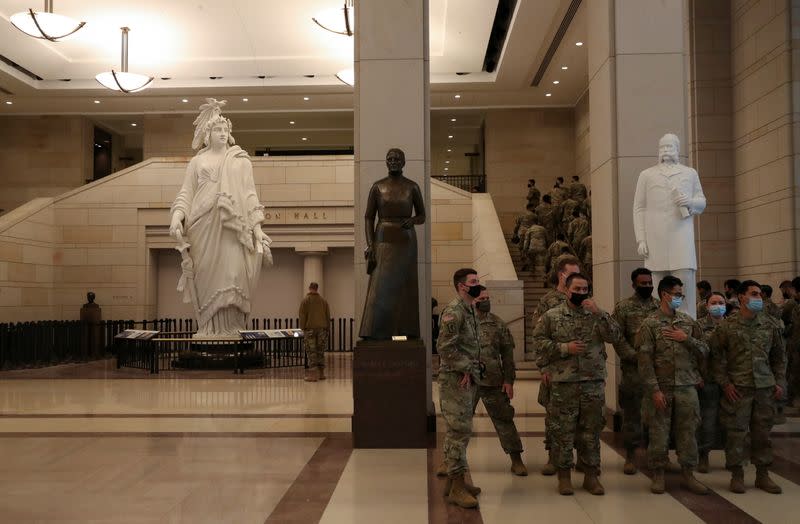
[(221, 209)]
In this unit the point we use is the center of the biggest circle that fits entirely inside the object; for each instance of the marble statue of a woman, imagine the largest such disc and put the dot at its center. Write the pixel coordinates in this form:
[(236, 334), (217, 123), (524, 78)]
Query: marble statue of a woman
[(216, 220)]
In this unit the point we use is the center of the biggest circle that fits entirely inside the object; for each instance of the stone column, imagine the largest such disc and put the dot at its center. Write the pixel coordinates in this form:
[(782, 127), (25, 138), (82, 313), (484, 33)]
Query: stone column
[(637, 92), (312, 269), (392, 110)]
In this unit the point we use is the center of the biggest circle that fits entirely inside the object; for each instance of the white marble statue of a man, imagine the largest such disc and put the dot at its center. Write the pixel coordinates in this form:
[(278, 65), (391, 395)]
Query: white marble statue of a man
[(216, 219), (668, 196)]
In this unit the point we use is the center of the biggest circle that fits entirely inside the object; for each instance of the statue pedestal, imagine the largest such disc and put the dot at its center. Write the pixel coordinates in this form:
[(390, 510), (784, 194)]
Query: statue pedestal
[(389, 394)]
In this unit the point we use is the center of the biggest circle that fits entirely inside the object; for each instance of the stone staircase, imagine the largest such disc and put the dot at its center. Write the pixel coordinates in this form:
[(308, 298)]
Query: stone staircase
[(533, 289)]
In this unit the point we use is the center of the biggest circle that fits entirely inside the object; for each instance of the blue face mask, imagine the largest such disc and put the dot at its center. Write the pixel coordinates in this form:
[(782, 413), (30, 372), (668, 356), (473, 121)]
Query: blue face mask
[(676, 303), (755, 305), (717, 310)]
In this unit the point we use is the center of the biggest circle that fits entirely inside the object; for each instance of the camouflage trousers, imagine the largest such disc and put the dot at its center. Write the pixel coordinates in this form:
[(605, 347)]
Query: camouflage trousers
[(630, 400), (681, 417), (456, 404), (499, 408), (709, 435), (576, 413), (315, 342), (544, 401), (747, 424), (536, 257)]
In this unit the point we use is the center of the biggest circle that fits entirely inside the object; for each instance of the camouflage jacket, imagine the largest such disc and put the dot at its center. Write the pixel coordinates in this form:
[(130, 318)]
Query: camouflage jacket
[(708, 325), (567, 207), (497, 351), (550, 300), (562, 325), (546, 213), (557, 195), (578, 229), (664, 362), (772, 309), (787, 309), (702, 308), (523, 223), (748, 353), (458, 343), (629, 314), (556, 249), (535, 238), (577, 191), (586, 250), (534, 196)]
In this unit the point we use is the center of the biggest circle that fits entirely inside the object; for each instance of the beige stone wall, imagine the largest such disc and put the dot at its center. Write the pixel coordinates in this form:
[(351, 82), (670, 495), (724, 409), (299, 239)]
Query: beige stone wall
[(766, 228), (43, 156), (451, 237), (582, 149), (523, 144), (711, 141)]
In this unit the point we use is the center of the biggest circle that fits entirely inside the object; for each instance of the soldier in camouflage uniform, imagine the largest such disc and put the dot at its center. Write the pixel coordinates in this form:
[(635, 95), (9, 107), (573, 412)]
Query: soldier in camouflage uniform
[(749, 363), (522, 224), (458, 346), (703, 292), (577, 191), (554, 250), (670, 343), (535, 247), (566, 212), (569, 340), (550, 300), (577, 230), (534, 195), (770, 308), (708, 433), (547, 216), (314, 316), (629, 314), (586, 256)]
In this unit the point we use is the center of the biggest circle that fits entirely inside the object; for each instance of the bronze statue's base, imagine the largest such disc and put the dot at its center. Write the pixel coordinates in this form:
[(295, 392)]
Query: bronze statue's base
[(389, 394)]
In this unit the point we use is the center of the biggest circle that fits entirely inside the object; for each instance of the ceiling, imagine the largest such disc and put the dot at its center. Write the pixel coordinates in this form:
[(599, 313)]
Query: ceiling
[(190, 41)]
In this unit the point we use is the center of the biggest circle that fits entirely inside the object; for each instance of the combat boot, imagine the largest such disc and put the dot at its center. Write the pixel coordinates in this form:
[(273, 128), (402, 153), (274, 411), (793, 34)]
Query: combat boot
[(311, 375), (765, 483), (691, 483), (737, 479), (702, 464), (591, 483), (549, 469), (657, 484), (517, 466), (630, 462), (565, 482), (441, 471), (459, 495), (472, 490), (320, 373)]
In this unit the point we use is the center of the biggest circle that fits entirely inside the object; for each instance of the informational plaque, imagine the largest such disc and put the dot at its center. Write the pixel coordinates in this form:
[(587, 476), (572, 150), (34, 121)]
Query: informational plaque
[(137, 334)]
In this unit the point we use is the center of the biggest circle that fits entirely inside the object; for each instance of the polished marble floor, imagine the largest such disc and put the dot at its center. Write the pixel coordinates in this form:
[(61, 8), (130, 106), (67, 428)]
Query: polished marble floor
[(88, 444)]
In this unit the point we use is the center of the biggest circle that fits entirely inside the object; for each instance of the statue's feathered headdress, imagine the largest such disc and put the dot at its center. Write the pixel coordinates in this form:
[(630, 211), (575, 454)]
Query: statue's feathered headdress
[(210, 113)]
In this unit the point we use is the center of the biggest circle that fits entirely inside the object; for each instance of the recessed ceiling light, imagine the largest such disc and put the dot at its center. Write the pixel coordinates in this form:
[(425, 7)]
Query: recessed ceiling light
[(446, 161), (578, 44), (304, 139), (564, 68), (9, 102), (556, 82), (452, 119), (306, 98), (291, 122), (245, 99), (447, 169), (457, 96), (184, 100), (449, 150), (548, 94), (449, 136), (134, 124), (97, 101)]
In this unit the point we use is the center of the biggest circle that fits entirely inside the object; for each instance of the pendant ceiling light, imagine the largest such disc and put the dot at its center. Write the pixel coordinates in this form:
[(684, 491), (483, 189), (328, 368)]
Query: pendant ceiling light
[(340, 20), (122, 80), (45, 24), (347, 76)]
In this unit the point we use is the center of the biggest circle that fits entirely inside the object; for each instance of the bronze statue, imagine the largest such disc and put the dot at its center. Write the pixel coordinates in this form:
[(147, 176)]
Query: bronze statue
[(392, 304)]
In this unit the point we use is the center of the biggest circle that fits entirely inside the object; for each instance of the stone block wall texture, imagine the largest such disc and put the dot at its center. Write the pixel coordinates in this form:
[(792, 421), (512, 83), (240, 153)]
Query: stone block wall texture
[(522, 144), (582, 147), (764, 139)]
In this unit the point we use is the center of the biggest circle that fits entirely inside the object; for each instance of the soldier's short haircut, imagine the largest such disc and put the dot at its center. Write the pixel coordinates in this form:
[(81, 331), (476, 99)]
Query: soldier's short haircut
[(705, 285), (747, 284), (640, 271), (560, 179), (767, 290), (547, 199), (732, 283), (577, 276), (313, 286), (567, 261), (716, 294), (796, 283), (785, 284), (460, 276), (667, 283), (575, 178)]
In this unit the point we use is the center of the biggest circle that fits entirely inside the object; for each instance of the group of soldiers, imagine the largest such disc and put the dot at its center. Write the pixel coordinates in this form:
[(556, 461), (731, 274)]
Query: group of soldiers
[(555, 225), (716, 381)]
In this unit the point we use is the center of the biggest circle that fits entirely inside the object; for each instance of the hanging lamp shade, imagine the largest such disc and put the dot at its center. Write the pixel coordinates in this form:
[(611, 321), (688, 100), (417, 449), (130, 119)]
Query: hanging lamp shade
[(45, 24), (339, 20), (123, 80)]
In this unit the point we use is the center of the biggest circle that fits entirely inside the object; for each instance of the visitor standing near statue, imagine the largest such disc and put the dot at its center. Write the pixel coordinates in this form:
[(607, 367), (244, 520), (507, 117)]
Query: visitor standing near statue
[(216, 220), (668, 197), (392, 303), (315, 318), (459, 349)]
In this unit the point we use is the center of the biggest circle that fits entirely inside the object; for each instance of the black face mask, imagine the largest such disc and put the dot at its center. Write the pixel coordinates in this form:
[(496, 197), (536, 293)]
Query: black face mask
[(578, 298), (484, 306), (474, 291), (644, 291), (785, 296)]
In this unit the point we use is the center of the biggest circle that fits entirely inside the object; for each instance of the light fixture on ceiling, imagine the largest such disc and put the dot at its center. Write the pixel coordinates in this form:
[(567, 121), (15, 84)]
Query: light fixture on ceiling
[(339, 20), (123, 80), (447, 169), (304, 139), (306, 98), (9, 102), (564, 68), (449, 136), (133, 124), (449, 150), (556, 82), (45, 24), (97, 101), (347, 76), (245, 99), (452, 119), (446, 161), (184, 100), (548, 94), (291, 122), (457, 96), (578, 44)]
